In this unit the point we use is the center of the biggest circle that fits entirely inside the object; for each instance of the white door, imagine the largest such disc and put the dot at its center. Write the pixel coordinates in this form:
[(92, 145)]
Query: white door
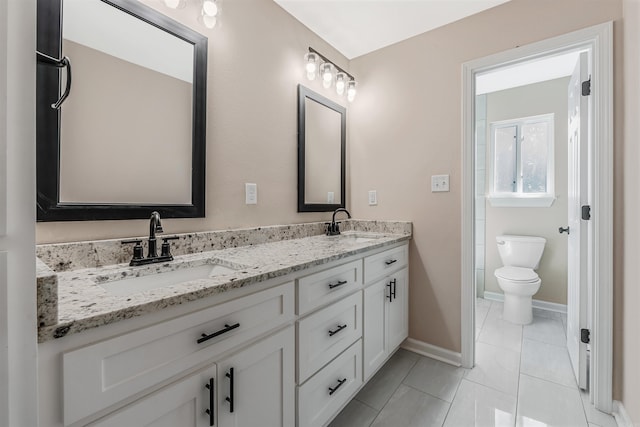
[(578, 128), (256, 386), (375, 297), (398, 314), (189, 402)]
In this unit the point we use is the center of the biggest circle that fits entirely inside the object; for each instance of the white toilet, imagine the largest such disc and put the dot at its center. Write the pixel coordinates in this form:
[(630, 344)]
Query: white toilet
[(520, 256)]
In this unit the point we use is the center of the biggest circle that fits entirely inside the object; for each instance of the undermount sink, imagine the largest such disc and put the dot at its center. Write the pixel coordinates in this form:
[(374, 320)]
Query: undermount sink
[(356, 237), (132, 285)]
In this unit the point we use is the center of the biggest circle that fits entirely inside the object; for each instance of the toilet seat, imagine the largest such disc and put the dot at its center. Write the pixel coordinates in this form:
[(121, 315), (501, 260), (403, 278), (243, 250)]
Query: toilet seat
[(517, 274)]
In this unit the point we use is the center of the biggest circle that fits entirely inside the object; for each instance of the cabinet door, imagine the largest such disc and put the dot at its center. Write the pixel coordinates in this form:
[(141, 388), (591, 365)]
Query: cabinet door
[(397, 310), (375, 300), (256, 386), (184, 403)]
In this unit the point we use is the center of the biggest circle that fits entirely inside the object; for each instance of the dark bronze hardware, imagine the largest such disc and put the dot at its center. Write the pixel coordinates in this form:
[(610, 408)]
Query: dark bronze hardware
[(338, 329), (390, 296), (340, 283), (209, 411), (333, 229), (393, 292), (166, 248), (226, 329), (138, 250), (563, 230), (334, 389), (230, 397), (391, 261), (58, 63)]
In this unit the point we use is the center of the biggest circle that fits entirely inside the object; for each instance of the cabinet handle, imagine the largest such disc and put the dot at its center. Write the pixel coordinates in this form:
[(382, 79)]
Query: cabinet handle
[(390, 295), (338, 329), (391, 261), (209, 411), (226, 329), (230, 397), (340, 283), (334, 389), (393, 292)]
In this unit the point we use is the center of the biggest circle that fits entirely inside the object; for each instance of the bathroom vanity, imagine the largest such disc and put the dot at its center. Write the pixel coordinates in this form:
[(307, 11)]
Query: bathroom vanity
[(277, 326)]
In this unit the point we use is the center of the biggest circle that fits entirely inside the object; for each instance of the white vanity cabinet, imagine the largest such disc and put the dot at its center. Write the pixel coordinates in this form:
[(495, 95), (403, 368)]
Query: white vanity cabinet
[(100, 375), (386, 308)]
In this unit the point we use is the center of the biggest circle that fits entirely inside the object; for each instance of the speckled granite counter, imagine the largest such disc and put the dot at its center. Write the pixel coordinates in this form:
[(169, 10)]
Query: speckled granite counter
[(81, 300)]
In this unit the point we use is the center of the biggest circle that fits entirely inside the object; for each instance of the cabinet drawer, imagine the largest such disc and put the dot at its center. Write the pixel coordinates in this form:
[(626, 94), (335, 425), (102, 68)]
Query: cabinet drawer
[(102, 374), (320, 398), (326, 333), (329, 285), (376, 266)]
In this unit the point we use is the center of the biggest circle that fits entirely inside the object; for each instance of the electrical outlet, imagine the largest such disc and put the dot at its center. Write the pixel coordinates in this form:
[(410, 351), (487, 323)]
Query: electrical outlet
[(439, 183), (373, 197), (251, 193)]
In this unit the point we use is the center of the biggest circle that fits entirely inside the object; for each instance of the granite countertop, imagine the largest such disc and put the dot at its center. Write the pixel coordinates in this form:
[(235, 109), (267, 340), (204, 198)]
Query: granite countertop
[(83, 301)]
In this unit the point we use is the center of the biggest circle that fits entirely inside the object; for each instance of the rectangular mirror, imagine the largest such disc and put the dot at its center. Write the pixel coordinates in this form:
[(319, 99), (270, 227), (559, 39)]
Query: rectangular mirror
[(130, 138), (321, 152)]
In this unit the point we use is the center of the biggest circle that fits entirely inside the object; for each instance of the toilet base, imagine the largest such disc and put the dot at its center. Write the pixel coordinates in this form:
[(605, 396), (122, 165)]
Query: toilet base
[(517, 309)]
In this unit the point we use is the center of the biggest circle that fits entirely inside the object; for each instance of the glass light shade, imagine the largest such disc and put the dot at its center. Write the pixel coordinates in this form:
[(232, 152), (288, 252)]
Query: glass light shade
[(340, 82), (175, 4), (351, 90), (326, 71), (311, 61), (209, 8), (209, 21)]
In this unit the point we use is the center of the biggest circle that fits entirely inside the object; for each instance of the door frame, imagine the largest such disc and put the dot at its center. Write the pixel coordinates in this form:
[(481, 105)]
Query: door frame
[(599, 40)]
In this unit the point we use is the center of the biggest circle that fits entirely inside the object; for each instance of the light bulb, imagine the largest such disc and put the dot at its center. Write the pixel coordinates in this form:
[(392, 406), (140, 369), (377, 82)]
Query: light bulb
[(311, 66), (327, 74), (340, 83), (209, 8), (351, 90)]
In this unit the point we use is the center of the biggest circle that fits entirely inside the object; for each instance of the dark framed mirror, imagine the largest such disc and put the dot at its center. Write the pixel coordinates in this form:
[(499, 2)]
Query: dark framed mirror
[(130, 137), (321, 152)]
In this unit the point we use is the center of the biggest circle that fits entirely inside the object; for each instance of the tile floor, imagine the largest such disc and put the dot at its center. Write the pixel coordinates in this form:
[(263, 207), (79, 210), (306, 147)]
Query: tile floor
[(522, 378)]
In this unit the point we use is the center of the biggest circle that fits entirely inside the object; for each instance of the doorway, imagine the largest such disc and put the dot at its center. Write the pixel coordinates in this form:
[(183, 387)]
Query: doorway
[(598, 274)]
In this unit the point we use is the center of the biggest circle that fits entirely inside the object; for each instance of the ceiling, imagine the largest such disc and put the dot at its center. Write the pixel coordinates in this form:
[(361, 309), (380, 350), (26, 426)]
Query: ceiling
[(357, 27)]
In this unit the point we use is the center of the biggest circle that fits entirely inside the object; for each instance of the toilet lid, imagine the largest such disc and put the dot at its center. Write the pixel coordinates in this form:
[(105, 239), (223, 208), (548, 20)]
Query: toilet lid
[(517, 274)]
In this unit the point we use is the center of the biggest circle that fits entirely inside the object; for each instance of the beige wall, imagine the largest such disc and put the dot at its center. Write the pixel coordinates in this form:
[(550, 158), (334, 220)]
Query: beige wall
[(407, 123), (535, 99), (627, 345), (254, 65)]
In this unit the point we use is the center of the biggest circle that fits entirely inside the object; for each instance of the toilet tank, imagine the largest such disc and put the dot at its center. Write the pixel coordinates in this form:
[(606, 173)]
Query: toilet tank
[(520, 251)]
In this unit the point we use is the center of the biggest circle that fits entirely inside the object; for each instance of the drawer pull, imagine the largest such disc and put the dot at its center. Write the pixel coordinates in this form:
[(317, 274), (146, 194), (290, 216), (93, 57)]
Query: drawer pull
[(230, 397), (390, 295), (335, 331), (226, 329), (209, 411), (340, 283), (392, 291), (334, 389), (391, 261)]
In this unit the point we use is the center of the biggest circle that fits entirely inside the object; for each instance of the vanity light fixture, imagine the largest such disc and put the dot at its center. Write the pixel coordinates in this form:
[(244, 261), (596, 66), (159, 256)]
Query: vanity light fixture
[(208, 13), (329, 73)]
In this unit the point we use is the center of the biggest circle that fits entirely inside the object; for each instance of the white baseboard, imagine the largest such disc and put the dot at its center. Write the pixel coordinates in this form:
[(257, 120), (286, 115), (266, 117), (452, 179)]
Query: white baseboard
[(621, 416), (542, 305), (432, 351)]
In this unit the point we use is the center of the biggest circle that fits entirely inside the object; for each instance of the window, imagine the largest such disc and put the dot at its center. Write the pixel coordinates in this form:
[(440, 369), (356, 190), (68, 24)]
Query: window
[(522, 162)]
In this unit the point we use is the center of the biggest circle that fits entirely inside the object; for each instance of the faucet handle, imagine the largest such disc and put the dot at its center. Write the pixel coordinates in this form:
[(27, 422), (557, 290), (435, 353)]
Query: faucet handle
[(166, 248), (138, 251)]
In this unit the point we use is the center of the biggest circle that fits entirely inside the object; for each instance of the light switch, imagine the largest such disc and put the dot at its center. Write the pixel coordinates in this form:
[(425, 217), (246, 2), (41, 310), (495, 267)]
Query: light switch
[(373, 197), (330, 197), (251, 193), (439, 183)]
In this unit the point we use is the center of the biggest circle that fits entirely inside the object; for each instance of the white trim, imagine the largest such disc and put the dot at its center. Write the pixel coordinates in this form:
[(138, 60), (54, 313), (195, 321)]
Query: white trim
[(536, 303), (504, 201), (432, 351), (620, 414), (598, 39)]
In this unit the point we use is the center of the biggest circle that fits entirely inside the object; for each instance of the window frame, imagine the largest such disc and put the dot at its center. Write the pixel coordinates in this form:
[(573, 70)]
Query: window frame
[(518, 198)]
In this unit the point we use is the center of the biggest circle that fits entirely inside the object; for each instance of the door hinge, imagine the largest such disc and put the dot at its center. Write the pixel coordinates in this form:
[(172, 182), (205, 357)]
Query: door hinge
[(586, 212), (585, 336), (586, 87)]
